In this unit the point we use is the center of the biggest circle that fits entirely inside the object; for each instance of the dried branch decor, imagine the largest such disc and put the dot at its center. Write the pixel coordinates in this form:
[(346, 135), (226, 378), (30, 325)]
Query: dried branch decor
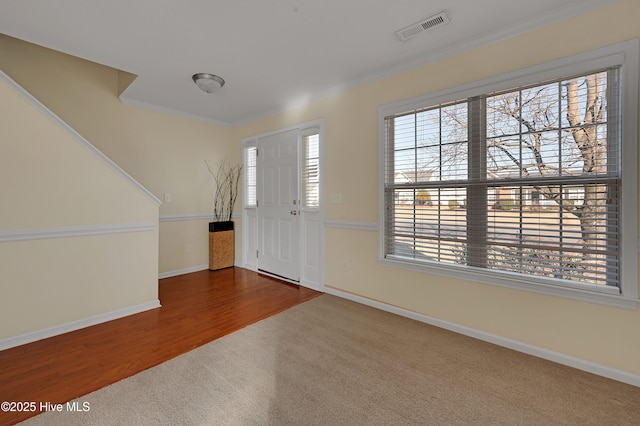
[(226, 180)]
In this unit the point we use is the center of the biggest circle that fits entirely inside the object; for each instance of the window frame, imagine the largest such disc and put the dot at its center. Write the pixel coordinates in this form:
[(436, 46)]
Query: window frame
[(246, 146), (304, 160), (626, 55)]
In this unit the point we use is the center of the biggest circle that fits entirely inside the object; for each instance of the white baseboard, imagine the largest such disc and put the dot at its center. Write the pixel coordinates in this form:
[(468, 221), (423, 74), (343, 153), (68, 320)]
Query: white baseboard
[(189, 270), (33, 336), (177, 272), (560, 358), (311, 285)]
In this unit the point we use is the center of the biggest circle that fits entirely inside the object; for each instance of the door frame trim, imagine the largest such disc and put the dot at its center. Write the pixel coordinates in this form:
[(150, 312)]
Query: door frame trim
[(311, 269)]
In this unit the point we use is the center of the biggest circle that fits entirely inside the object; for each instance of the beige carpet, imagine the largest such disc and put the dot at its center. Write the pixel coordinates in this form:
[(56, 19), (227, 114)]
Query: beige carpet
[(334, 362)]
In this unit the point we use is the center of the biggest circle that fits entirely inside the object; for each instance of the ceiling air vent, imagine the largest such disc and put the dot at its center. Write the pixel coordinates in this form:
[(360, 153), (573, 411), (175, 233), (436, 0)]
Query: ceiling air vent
[(426, 24)]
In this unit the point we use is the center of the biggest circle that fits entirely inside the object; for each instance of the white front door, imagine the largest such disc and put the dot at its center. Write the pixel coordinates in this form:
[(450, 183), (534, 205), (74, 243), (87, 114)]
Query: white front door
[(278, 205)]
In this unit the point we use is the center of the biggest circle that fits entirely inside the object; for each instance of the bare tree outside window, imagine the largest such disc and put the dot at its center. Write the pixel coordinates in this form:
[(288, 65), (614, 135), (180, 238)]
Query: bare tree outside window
[(524, 180)]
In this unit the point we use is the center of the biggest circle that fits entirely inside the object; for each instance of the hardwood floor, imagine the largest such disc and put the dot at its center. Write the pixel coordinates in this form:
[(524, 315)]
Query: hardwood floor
[(196, 309)]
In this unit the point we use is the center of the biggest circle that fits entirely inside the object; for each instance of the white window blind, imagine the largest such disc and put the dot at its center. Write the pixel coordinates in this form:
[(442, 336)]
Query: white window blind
[(526, 181), (250, 153), (311, 171)]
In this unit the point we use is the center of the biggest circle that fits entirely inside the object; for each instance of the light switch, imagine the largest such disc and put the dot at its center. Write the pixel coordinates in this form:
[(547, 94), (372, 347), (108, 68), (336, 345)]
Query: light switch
[(335, 198), (167, 197)]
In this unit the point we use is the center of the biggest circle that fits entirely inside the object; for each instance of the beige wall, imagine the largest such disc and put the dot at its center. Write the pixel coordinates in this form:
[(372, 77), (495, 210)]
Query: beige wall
[(596, 333), (164, 153), (51, 183)]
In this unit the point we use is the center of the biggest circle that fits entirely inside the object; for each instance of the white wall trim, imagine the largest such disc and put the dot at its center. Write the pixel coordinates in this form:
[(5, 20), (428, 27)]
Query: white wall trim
[(312, 285), (73, 231), (362, 226), (202, 216), (191, 269), (560, 358), (34, 336), (169, 111), (183, 271), (180, 217), (76, 136)]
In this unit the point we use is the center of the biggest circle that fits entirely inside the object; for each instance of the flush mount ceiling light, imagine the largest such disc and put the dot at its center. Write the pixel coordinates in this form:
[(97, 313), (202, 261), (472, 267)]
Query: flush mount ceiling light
[(208, 82)]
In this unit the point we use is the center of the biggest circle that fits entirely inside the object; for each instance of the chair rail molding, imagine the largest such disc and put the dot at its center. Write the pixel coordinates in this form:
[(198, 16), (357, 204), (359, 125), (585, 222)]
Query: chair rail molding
[(345, 224), (73, 231)]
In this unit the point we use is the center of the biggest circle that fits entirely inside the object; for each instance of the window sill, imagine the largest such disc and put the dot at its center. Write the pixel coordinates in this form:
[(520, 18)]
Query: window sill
[(609, 296)]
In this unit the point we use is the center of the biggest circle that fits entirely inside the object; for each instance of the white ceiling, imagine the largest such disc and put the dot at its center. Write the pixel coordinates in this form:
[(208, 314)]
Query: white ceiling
[(273, 54)]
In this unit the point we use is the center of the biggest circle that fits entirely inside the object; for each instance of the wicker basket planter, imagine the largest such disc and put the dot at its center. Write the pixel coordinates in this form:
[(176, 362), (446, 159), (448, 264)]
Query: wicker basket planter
[(221, 245)]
